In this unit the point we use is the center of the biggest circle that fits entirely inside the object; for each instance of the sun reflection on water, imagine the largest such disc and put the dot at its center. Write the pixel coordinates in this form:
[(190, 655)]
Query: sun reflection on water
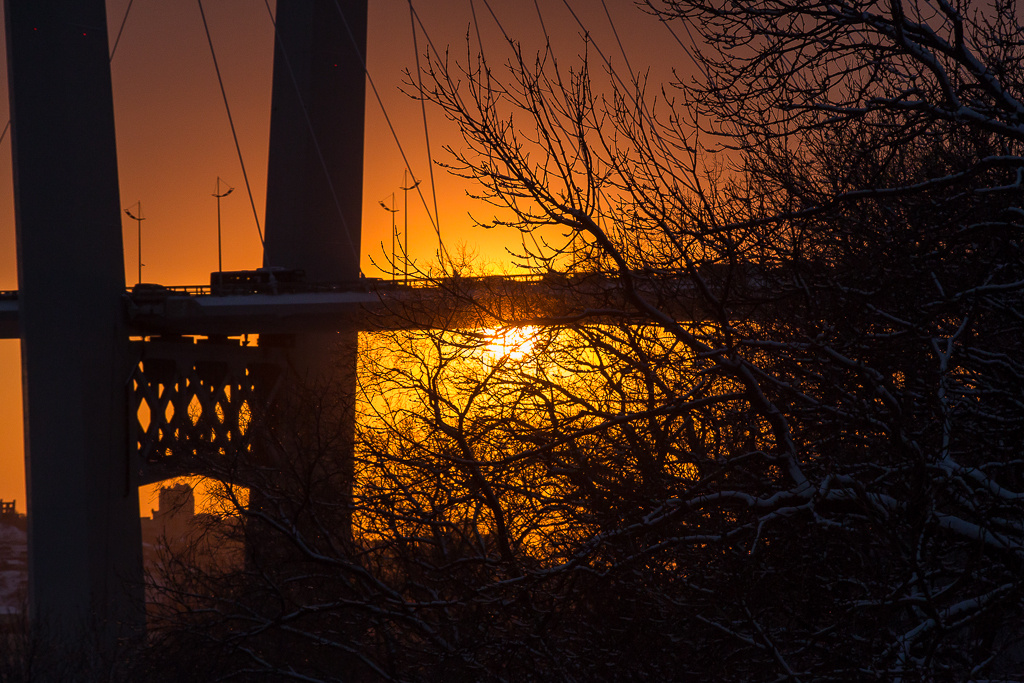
[(513, 343)]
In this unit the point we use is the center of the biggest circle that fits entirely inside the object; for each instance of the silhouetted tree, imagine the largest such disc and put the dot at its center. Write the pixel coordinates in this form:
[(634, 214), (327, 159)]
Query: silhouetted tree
[(764, 423)]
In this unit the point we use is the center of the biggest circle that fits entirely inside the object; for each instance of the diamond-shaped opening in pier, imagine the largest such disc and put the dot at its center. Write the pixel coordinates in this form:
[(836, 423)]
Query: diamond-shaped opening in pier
[(195, 409), (219, 410), (244, 417), (169, 412), (143, 415)]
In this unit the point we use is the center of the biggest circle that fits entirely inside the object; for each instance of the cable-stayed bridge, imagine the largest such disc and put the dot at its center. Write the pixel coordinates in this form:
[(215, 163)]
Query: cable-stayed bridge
[(120, 385), (96, 356), (370, 304), (82, 370), (194, 376)]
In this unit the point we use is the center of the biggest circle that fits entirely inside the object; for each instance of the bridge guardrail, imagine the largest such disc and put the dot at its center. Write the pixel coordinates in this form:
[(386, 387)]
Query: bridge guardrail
[(365, 284)]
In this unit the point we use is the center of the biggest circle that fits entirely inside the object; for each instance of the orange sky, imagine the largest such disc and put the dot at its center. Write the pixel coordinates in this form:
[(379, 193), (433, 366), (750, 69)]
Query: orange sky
[(174, 139)]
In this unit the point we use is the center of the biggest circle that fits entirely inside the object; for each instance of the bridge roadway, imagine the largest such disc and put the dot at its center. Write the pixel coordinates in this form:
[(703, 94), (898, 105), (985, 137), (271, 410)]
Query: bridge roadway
[(9, 315), (370, 304)]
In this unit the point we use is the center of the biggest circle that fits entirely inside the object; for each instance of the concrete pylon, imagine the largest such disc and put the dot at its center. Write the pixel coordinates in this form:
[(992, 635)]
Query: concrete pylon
[(315, 167), (314, 201), (84, 536)]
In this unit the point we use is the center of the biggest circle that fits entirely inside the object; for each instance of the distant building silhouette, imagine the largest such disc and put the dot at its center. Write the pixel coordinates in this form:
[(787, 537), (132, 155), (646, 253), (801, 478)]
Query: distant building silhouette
[(176, 528), (9, 515), (176, 507), (171, 520), (13, 565), (7, 510)]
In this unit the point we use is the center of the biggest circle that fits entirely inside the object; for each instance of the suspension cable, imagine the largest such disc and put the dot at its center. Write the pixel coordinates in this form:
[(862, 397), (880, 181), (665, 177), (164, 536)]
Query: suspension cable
[(476, 25), (312, 131), (615, 31), (547, 36), (394, 133), (442, 252), (498, 23), (231, 121), (121, 30)]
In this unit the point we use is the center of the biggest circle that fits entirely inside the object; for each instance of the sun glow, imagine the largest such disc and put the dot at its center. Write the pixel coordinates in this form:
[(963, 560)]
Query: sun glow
[(513, 343)]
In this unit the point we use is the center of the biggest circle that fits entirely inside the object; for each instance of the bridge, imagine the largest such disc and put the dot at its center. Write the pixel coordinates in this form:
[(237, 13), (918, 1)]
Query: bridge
[(85, 338), (96, 355), (195, 373), (370, 304)]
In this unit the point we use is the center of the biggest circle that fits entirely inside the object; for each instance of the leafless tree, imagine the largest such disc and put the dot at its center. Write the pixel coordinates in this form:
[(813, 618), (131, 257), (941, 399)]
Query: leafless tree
[(760, 419)]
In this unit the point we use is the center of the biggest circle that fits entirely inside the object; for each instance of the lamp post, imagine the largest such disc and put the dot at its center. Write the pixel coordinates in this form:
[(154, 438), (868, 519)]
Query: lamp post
[(405, 193), (219, 196), (392, 210), (138, 221)]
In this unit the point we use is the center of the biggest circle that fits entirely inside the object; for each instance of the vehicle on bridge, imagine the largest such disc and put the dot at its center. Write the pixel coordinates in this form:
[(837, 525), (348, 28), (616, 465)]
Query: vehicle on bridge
[(273, 280)]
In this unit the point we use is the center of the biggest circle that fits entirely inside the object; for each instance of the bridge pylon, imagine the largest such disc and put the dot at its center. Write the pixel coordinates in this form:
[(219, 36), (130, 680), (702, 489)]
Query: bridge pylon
[(315, 181), (84, 381), (85, 561)]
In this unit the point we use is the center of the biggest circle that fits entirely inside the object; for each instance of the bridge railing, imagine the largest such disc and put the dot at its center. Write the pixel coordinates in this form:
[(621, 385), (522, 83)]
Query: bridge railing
[(371, 284)]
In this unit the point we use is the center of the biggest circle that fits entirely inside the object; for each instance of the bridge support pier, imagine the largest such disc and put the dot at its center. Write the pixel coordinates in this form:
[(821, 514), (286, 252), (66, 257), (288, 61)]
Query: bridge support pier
[(315, 166), (84, 537), (84, 532), (314, 181)]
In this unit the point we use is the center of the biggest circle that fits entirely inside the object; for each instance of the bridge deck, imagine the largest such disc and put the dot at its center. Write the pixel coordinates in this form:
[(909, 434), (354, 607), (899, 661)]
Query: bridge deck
[(368, 305), (9, 315)]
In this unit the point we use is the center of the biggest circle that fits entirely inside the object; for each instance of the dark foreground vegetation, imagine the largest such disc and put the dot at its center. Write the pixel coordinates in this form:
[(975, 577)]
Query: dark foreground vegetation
[(820, 479)]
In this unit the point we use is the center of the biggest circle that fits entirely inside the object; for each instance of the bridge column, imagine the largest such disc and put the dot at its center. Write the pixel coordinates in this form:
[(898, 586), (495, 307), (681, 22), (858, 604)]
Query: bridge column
[(315, 186), (84, 536), (315, 168)]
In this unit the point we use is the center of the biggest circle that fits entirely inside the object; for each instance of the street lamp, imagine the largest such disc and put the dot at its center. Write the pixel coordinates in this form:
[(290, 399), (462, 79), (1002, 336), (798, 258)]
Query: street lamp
[(138, 220), (392, 211), (405, 193), (219, 196)]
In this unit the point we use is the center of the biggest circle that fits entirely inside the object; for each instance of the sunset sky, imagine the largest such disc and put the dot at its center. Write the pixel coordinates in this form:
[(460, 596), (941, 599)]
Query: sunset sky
[(174, 139)]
